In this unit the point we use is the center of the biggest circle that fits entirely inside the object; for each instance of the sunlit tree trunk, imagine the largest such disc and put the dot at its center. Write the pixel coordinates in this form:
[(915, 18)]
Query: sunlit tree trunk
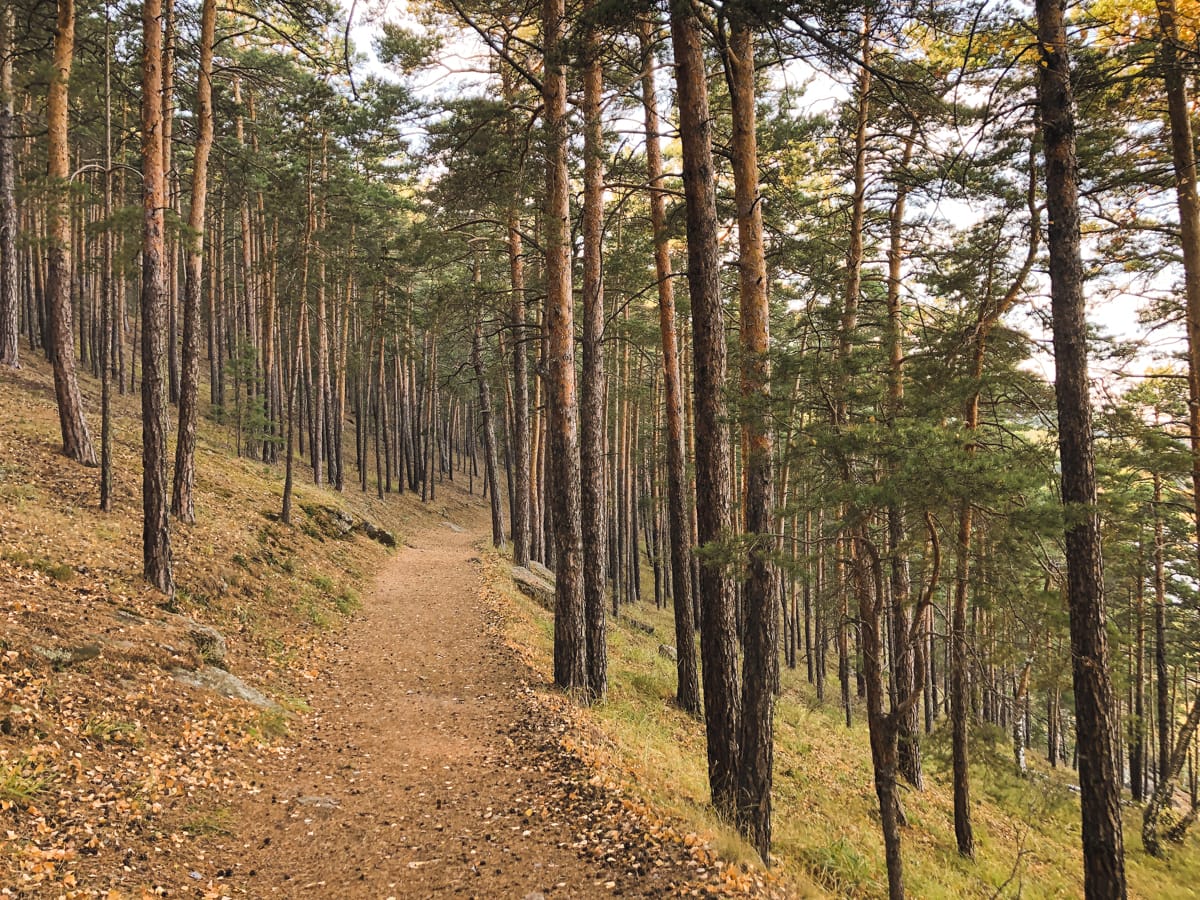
[(756, 741), (10, 335), (687, 693), (156, 541), (182, 500), (1095, 705), (77, 440), (718, 634), (570, 642)]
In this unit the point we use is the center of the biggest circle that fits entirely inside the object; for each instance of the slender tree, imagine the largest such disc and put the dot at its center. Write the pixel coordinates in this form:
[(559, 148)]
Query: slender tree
[(591, 401), (156, 539), (756, 741), (10, 333), (182, 500), (570, 641), (1183, 156), (679, 517), (718, 632), (77, 440), (1095, 705)]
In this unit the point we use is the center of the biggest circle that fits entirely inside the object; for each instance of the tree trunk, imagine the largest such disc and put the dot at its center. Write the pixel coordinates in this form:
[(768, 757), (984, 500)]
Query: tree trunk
[(591, 401), (1137, 725), (1099, 780), (170, 281), (182, 500), (713, 488), (156, 541), (106, 283), (755, 743), (489, 433), (909, 746), (570, 641), (964, 834), (687, 693), (868, 572), (10, 334), (77, 440), (520, 391)]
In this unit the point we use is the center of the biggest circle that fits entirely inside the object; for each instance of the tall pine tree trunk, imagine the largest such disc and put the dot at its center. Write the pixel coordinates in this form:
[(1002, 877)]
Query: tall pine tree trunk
[(521, 516), (1099, 779), (755, 743), (909, 747), (1183, 154), (10, 335), (77, 440), (182, 500), (687, 693), (591, 400), (106, 283), (570, 641), (718, 633), (156, 541)]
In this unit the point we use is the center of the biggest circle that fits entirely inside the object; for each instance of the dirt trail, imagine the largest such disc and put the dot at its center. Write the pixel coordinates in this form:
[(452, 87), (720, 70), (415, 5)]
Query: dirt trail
[(404, 781)]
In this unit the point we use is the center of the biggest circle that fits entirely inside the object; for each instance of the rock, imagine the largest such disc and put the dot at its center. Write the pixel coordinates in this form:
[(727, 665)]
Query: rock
[(534, 586), (210, 678), (541, 571), (330, 520), (667, 652), (319, 802), (129, 617), (637, 625), (61, 657), (210, 643), (375, 533)]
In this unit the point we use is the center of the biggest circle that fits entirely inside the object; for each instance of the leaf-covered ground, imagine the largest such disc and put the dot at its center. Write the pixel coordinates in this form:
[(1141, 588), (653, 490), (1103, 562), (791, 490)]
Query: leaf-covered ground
[(118, 780)]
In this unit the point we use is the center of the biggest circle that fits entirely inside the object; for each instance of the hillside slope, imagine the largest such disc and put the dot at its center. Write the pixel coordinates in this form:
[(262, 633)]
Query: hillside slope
[(826, 821), (114, 772)]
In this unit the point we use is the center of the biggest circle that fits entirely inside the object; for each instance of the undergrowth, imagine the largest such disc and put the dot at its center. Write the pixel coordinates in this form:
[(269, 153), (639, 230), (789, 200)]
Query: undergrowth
[(826, 822)]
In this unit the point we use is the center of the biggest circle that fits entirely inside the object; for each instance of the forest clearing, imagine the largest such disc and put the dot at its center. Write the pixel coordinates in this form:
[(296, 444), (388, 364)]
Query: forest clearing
[(683, 447)]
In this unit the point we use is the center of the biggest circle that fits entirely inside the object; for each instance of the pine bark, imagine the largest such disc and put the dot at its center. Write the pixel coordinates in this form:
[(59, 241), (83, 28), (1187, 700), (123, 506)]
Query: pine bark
[(909, 748), (570, 641), (1099, 778), (182, 492), (591, 401), (718, 633), (687, 693), (760, 645), (489, 434), (77, 440), (10, 334), (521, 515), (156, 541)]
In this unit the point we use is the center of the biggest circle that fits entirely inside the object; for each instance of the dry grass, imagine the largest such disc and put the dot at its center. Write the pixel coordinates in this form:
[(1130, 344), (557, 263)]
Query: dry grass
[(104, 758), (827, 837)]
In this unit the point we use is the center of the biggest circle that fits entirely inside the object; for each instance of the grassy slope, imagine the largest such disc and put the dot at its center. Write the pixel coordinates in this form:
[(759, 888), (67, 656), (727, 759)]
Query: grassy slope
[(827, 834), (111, 773)]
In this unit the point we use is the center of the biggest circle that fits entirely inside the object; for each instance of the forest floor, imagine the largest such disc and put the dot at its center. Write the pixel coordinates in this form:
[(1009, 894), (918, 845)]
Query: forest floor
[(430, 765), (397, 745)]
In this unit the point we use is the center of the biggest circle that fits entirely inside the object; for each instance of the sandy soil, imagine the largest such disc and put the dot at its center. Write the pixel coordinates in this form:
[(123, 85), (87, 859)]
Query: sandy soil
[(411, 776)]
